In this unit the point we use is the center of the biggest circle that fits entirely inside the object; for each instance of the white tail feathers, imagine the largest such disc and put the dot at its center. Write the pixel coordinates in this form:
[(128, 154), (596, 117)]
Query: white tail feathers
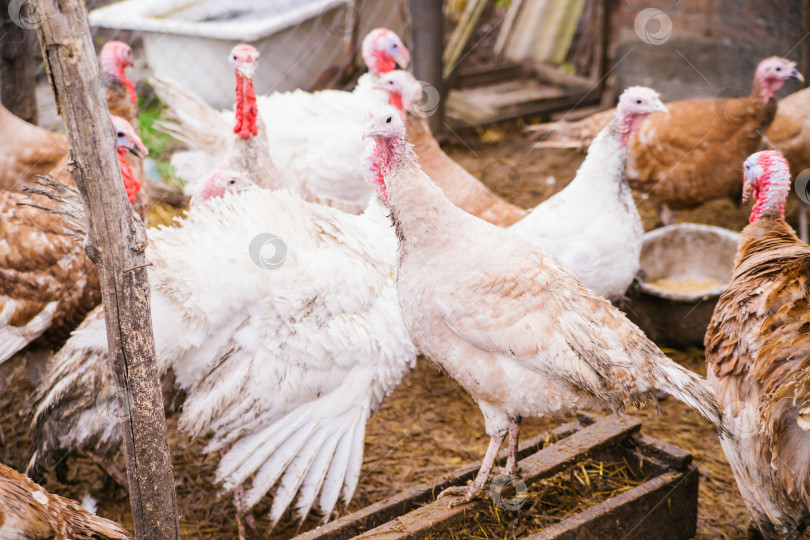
[(690, 389), (193, 121), (310, 450)]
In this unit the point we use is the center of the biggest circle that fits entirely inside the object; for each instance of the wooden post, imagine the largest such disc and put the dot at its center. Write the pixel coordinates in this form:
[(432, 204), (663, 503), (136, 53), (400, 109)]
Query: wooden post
[(427, 46), (805, 68), (116, 242), (18, 67)]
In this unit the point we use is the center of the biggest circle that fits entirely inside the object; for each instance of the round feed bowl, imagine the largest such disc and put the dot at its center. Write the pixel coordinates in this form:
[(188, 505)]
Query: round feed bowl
[(685, 250)]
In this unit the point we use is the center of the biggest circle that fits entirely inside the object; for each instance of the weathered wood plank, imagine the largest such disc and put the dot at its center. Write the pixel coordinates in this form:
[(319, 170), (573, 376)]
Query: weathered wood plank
[(670, 498), (440, 515), (116, 242), (371, 516)]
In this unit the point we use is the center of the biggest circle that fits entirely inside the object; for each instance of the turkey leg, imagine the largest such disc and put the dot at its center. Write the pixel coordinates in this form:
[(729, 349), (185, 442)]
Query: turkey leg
[(483, 473), (514, 433)]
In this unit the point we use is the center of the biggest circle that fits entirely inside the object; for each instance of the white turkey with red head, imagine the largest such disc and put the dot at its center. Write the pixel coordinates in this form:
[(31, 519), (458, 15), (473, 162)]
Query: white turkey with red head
[(520, 333), (279, 319), (592, 226), (313, 139)]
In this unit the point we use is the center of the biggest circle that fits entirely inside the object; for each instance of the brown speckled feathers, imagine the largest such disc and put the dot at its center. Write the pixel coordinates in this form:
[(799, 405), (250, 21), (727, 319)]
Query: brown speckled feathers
[(47, 283), (757, 351), (29, 512), (26, 150)]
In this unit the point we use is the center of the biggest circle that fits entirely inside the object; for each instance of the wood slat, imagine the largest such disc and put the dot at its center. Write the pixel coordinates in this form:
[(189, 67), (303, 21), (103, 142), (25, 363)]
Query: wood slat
[(441, 514), (637, 513), (371, 516)]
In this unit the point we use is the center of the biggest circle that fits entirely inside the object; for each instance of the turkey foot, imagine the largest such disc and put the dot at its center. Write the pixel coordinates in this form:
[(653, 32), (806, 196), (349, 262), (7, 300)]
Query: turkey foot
[(466, 494), (111, 469), (480, 481)]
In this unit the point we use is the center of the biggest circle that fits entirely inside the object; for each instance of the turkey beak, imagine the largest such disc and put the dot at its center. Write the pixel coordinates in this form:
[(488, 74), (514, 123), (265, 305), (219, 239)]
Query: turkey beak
[(796, 75), (402, 57), (137, 148), (660, 107), (247, 69), (368, 130)]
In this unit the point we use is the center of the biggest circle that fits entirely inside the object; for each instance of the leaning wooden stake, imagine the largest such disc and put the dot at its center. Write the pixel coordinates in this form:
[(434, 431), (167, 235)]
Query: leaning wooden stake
[(116, 242)]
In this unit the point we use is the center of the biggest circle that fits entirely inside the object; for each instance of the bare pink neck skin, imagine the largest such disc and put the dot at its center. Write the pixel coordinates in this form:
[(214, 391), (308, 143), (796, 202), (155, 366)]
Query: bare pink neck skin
[(113, 68), (131, 184), (387, 153), (246, 109), (629, 124), (768, 88)]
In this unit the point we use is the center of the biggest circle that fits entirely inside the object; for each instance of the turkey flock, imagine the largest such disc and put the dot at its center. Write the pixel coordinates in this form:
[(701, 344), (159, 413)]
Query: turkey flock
[(384, 249)]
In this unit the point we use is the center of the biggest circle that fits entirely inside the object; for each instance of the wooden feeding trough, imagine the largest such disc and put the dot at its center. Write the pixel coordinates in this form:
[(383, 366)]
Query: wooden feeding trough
[(663, 504)]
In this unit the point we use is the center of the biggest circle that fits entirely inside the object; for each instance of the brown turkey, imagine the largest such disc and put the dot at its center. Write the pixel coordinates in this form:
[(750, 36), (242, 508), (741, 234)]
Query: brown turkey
[(758, 358), (690, 155), (28, 512), (47, 282)]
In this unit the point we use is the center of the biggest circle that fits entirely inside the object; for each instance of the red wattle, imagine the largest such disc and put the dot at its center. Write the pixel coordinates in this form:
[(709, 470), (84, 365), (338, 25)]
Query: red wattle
[(395, 100), (246, 109), (130, 86), (131, 184), (382, 62)]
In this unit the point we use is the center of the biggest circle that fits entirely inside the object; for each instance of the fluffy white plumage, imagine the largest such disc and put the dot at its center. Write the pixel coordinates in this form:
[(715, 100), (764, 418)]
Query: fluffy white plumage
[(282, 364), (314, 138), (592, 226)]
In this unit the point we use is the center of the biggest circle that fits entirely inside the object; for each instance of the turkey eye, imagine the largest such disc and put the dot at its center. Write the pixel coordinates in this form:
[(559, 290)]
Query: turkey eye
[(395, 45), (638, 101), (119, 134), (232, 182), (388, 120), (778, 68)]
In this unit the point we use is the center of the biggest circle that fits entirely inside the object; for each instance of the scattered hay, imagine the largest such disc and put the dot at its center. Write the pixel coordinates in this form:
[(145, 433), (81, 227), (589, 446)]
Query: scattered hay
[(548, 501), (164, 214)]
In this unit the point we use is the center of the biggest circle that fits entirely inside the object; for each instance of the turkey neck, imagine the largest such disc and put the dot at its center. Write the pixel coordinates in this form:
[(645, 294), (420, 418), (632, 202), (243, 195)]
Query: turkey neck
[(760, 239), (251, 157), (763, 103), (603, 172), (418, 206)]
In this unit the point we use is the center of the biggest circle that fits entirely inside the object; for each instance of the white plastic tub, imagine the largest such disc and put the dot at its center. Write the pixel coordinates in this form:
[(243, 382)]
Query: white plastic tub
[(189, 40)]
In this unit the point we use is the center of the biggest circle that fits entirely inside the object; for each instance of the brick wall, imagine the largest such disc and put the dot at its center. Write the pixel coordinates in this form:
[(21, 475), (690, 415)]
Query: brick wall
[(700, 48)]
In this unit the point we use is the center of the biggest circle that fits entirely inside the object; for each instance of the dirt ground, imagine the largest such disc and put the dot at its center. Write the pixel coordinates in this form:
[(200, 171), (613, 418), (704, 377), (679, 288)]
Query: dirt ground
[(428, 426)]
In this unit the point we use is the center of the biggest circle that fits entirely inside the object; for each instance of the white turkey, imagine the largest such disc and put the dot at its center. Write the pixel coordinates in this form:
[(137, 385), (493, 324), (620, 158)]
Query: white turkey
[(280, 320), (314, 138), (521, 334), (592, 226), (65, 417)]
